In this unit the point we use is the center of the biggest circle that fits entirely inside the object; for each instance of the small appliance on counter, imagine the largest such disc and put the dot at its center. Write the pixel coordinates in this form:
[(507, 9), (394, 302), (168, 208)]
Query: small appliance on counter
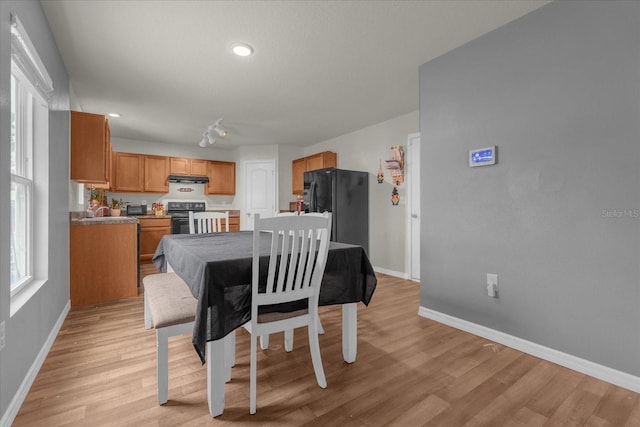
[(136, 210)]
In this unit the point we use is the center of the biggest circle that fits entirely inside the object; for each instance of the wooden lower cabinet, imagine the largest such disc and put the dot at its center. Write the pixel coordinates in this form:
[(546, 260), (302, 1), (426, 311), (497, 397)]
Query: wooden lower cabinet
[(151, 231), (103, 262)]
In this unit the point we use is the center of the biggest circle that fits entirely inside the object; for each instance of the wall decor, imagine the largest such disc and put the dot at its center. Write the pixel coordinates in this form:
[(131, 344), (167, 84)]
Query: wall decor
[(380, 173), (185, 189), (396, 164), (395, 197)]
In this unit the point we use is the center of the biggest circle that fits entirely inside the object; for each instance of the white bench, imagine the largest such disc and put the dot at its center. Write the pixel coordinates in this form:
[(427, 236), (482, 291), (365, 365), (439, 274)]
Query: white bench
[(170, 308)]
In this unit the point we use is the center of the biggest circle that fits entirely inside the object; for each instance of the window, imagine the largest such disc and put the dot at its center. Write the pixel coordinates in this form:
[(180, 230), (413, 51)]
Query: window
[(30, 89)]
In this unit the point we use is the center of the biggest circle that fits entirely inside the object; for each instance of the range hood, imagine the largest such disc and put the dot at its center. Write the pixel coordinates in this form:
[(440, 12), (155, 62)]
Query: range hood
[(186, 179)]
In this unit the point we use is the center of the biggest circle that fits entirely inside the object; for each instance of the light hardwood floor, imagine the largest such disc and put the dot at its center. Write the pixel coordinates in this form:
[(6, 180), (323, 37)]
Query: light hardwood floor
[(410, 371)]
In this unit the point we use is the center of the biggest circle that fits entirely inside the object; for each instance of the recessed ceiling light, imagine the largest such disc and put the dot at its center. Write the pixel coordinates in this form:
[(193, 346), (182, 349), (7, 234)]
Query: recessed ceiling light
[(241, 49), (114, 115)]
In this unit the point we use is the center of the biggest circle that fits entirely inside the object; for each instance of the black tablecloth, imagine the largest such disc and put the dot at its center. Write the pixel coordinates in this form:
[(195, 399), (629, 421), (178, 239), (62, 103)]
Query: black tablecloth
[(217, 268)]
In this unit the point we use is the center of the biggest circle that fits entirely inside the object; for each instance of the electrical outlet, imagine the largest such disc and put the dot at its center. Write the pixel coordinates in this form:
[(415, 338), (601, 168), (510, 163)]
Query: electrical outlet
[(3, 334), (492, 285)]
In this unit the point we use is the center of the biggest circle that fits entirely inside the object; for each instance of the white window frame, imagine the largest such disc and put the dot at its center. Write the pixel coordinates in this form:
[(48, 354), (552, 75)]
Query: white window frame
[(33, 88)]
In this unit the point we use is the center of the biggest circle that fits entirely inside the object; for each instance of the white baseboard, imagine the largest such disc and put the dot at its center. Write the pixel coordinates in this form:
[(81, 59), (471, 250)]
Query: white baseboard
[(18, 399), (578, 364), (393, 273)]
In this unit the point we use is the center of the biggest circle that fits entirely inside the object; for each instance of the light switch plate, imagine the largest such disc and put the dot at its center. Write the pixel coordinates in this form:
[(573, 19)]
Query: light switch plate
[(492, 285)]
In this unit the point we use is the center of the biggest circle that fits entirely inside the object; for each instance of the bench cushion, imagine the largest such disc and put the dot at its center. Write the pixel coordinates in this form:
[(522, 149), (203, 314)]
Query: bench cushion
[(169, 300)]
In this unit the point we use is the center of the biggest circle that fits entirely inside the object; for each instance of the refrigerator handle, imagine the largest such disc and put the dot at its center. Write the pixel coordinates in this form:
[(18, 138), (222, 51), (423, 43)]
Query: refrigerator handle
[(313, 198)]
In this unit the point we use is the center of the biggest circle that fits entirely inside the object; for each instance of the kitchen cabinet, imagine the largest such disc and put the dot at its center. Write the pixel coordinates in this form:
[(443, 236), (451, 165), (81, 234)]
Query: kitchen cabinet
[(184, 166), (234, 219), (151, 231), (156, 173), (128, 172), (90, 148), (325, 159), (104, 262), (222, 178)]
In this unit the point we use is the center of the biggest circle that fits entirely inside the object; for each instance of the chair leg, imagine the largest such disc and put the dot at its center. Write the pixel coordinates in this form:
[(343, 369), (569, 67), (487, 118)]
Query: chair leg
[(252, 376), (314, 347), (288, 340), (264, 342), (162, 365)]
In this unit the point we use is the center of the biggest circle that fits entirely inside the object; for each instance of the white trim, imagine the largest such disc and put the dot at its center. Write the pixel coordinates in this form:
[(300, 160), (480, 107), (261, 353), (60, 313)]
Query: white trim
[(24, 53), (410, 183), (400, 274), (18, 399), (604, 373)]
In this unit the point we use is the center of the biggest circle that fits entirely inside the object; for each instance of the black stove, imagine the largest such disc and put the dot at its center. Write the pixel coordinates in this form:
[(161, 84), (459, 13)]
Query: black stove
[(179, 212)]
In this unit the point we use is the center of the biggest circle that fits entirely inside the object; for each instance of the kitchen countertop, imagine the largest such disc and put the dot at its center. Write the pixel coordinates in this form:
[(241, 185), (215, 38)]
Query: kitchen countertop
[(104, 220), (79, 218)]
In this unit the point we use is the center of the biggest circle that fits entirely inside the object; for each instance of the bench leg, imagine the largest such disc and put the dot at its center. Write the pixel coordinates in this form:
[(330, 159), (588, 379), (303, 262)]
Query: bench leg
[(162, 365), (147, 313)]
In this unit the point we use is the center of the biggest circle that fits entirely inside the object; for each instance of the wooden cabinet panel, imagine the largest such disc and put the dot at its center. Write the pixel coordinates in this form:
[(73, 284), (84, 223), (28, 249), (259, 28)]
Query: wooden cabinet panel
[(179, 166), (222, 178), (129, 173), (326, 159), (234, 223), (298, 168), (103, 263), (90, 148), (199, 167), (184, 166), (151, 231), (156, 172)]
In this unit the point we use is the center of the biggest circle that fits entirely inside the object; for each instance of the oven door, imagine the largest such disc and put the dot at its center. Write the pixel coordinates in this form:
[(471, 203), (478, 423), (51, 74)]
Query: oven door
[(179, 225)]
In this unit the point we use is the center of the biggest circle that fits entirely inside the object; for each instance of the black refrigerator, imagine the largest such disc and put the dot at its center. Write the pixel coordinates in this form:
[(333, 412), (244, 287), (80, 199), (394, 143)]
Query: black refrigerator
[(345, 194)]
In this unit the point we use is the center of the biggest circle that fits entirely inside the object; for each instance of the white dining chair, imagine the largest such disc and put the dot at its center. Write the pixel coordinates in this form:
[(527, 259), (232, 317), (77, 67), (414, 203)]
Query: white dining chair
[(208, 222), (294, 272)]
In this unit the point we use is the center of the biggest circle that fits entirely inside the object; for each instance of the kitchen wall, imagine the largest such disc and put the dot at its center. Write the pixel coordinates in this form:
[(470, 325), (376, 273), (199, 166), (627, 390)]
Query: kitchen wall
[(558, 217), (31, 330), (362, 150)]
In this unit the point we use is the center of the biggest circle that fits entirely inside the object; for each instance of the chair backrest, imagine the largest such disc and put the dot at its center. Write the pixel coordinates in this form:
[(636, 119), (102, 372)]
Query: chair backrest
[(297, 258), (285, 213), (207, 222)]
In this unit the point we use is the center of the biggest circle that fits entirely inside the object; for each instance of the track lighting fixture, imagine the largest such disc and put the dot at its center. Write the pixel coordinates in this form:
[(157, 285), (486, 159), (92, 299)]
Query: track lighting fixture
[(208, 137)]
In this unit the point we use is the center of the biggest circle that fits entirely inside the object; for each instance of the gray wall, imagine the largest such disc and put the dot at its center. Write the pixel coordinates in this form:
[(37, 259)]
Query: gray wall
[(28, 329), (558, 218)]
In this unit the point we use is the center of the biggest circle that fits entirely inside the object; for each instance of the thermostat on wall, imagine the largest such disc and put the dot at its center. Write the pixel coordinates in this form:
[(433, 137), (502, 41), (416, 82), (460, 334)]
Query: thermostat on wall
[(482, 156)]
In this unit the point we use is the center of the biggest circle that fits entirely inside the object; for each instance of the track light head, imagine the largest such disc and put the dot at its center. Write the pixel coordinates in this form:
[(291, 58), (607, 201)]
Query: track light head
[(209, 136)]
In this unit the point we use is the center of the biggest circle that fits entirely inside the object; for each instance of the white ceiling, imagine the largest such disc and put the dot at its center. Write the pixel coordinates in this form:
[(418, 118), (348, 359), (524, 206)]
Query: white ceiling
[(320, 69)]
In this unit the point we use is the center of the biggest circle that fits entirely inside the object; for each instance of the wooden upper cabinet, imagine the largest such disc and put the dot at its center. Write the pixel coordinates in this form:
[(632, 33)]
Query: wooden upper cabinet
[(222, 178), (326, 159), (179, 166), (298, 168), (128, 172), (156, 173), (201, 167), (90, 148), (183, 166)]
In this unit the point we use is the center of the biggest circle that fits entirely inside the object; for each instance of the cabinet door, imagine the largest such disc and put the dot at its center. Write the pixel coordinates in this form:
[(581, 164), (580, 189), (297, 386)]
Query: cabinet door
[(222, 178), (129, 173), (298, 167), (151, 231), (199, 167), (89, 148), (314, 162), (179, 166), (156, 172)]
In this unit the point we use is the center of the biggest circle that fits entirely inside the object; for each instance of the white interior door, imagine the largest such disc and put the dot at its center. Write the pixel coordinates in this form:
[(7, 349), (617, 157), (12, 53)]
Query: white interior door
[(260, 190), (413, 166)]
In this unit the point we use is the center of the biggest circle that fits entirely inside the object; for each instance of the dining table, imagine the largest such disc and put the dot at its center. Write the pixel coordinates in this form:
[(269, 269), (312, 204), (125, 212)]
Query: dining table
[(217, 268)]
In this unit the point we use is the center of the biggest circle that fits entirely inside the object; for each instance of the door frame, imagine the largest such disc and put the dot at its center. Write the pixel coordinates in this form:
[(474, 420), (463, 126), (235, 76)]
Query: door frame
[(413, 175)]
